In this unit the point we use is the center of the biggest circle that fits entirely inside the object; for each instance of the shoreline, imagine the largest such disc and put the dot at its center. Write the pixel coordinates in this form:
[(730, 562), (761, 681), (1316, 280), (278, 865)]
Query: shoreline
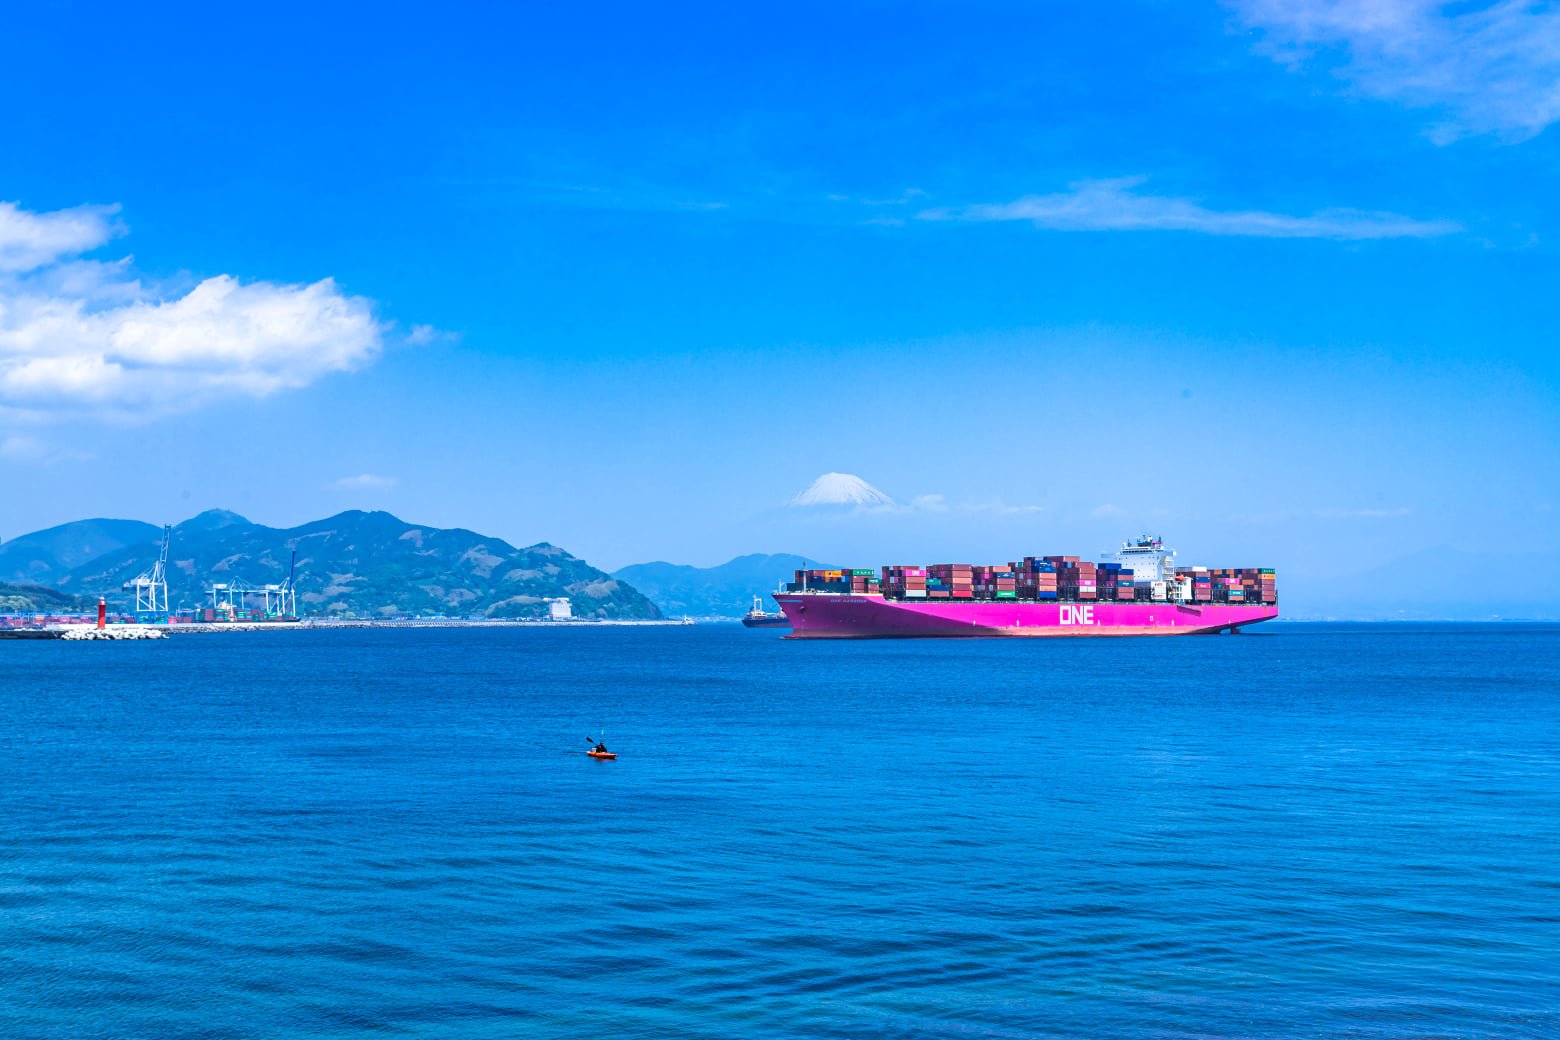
[(124, 631), (327, 623)]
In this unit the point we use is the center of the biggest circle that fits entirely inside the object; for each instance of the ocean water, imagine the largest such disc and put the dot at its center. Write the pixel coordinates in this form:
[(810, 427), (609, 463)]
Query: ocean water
[(1305, 831)]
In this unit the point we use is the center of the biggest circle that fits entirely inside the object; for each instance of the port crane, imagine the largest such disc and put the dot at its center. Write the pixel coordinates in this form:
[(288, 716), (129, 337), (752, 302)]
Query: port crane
[(285, 593), (281, 598), (228, 596), (151, 585)]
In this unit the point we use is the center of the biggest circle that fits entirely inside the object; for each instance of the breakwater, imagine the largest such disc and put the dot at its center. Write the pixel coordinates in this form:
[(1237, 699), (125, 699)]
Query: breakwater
[(76, 633)]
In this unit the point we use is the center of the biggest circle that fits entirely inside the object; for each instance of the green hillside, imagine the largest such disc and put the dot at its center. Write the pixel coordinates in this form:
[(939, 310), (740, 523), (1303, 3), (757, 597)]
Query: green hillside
[(37, 599), (368, 565)]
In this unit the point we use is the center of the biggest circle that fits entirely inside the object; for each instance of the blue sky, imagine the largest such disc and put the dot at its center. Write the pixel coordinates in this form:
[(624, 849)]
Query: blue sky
[(1277, 279)]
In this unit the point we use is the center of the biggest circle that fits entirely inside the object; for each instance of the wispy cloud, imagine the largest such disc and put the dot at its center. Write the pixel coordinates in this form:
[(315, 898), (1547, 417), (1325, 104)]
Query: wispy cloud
[(997, 507), (847, 495), (628, 195), (426, 335), (990, 507), (1108, 510), (1361, 514), (904, 198), (81, 335), (1113, 205), (365, 482), (1488, 67), (35, 450), (31, 240)]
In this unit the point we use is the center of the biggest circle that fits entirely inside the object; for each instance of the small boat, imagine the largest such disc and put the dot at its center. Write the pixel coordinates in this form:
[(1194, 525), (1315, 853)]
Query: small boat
[(758, 617), (602, 755)]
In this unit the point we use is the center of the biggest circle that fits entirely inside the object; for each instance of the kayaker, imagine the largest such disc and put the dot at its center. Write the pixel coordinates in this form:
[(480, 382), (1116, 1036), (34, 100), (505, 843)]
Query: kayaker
[(601, 749)]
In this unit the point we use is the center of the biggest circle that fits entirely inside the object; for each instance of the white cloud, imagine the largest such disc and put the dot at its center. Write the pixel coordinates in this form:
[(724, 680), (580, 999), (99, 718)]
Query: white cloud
[(1108, 510), (929, 503), (365, 482), (32, 240), (1113, 205), (89, 336), (1489, 67)]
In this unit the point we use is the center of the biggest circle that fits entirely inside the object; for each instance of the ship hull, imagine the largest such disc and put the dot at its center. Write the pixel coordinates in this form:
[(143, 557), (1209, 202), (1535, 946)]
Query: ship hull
[(834, 616), (767, 622)]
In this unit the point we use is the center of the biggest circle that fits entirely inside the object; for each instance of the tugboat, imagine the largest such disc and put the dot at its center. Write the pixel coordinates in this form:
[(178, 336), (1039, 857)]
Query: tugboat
[(758, 617)]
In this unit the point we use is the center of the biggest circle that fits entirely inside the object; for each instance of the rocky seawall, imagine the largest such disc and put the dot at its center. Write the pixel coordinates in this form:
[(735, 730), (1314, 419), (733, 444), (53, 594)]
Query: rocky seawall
[(110, 632)]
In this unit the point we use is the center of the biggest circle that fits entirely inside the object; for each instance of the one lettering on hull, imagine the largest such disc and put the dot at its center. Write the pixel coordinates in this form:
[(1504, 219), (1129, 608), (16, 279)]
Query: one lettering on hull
[(1079, 615)]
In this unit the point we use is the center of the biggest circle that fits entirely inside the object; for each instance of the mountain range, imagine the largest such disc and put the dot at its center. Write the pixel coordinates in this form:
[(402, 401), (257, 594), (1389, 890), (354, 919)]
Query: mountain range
[(841, 489), (1431, 585), (355, 563), (45, 557), (725, 591), (375, 565)]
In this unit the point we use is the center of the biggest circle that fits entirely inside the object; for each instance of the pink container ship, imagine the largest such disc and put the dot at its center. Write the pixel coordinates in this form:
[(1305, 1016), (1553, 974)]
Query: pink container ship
[(1137, 591)]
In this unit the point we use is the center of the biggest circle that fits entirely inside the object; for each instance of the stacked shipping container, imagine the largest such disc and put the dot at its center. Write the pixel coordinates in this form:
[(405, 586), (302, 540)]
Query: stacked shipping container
[(1076, 579), (904, 582), (955, 580), (1231, 584), (1064, 578), (843, 581), (1036, 578), (996, 582)]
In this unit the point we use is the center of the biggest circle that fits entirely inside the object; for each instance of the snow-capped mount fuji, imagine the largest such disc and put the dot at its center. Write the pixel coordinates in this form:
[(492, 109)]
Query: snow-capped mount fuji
[(841, 489)]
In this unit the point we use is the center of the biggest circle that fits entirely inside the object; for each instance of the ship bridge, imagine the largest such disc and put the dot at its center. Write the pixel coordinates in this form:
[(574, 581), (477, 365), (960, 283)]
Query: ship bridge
[(1146, 557)]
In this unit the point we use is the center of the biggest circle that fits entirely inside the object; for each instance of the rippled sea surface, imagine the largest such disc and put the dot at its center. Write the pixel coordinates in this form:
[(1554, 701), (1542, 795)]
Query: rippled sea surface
[(1307, 831)]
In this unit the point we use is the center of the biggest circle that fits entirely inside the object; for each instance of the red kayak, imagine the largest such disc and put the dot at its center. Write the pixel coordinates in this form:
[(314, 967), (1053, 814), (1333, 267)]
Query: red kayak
[(603, 755)]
